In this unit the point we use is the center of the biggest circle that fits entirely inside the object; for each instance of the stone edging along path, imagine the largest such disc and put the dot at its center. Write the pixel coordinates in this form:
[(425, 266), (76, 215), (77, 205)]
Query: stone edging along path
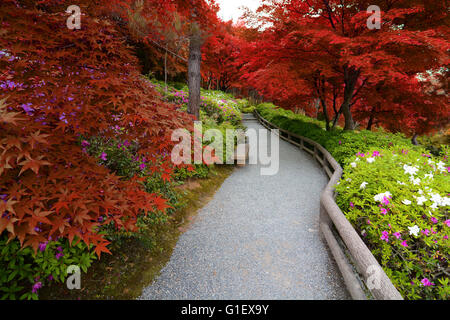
[(337, 229)]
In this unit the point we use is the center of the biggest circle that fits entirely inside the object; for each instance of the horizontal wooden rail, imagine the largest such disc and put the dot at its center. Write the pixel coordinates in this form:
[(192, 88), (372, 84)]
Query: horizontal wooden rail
[(331, 217)]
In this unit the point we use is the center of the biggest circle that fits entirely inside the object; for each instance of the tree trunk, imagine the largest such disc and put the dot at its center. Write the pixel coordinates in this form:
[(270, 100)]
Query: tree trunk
[(351, 76), (165, 70), (194, 65), (371, 119), (414, 139)]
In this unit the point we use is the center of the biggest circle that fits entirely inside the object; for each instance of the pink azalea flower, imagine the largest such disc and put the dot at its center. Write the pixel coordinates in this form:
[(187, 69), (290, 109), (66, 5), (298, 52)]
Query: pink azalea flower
[(142, 166), (384, 211), (426, 282), (385, 236), (376, 154), (397, 235), (404, 244), (352, 205), (85, 143), (447, 222), (434, 220), (385, 201), (104, 156)]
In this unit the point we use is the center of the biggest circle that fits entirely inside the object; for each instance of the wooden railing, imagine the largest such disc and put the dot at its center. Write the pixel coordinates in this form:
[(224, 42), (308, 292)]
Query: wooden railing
[(352, 253)]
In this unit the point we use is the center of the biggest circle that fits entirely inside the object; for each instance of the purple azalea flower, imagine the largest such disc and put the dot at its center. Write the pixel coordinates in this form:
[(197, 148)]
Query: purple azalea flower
[(352, 205), (50, 278), (85, 143), (104, 156), (142, 166), (36, 287), (59, 255), (434, 220), (43, 245)]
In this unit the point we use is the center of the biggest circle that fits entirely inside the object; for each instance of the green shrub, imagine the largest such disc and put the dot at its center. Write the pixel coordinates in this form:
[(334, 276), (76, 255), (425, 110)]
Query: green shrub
[(341, 144), (23, 272), (386, 194), (249, 109)]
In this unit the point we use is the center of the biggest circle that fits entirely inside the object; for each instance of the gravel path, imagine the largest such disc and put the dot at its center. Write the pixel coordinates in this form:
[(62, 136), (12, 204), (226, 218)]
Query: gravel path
[(257, 239)]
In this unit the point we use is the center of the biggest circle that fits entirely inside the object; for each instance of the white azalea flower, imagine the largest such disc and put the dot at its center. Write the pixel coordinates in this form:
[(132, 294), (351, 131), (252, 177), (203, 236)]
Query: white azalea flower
[(370, 160), (415, 181), (434, 206), (363, 185), (421, 200), (441, 166), (407, 202), (429, 175), (436, 198), (414, 230), (410, 170), (401, 183), (420, 191), (349, 180), (445, 201), (353, 164), (357, 159)]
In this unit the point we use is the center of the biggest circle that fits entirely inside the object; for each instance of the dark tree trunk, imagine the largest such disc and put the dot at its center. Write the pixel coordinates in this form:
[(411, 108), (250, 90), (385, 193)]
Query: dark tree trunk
[(371, 119), (351, 76), (194, 76), (165, 70), (414, 140)]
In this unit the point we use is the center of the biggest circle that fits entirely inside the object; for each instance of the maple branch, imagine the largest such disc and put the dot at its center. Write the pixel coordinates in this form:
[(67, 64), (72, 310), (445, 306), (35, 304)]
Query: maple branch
[(329, 11)]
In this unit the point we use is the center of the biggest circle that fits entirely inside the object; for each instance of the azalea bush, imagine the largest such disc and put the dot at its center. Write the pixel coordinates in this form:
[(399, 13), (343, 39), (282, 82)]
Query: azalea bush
[(398, 201), (24, 272), (220, 106)]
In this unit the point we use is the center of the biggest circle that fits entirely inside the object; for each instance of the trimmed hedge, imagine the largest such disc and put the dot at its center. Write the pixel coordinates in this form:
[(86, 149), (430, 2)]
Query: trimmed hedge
[(341, 144)]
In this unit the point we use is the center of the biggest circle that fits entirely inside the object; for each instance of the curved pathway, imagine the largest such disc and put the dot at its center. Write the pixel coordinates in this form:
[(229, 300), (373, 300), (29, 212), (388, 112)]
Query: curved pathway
[(257, 239)]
